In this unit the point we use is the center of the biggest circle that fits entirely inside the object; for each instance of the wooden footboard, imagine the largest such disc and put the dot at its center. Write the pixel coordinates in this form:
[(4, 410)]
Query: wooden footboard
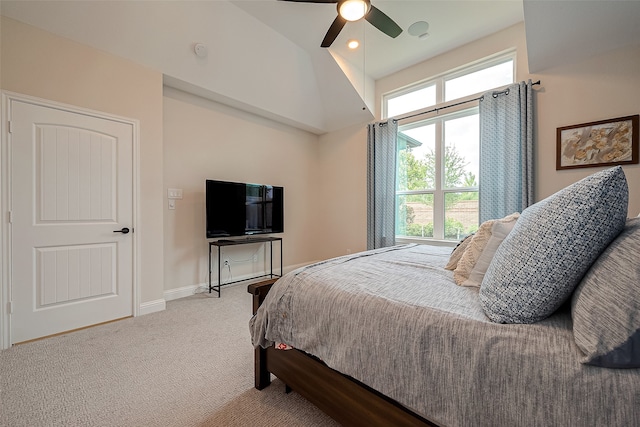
[(262, 375), (343, 398)]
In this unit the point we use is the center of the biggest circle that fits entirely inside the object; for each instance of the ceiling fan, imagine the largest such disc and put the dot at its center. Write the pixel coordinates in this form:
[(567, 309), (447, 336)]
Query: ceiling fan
[(353, 10)]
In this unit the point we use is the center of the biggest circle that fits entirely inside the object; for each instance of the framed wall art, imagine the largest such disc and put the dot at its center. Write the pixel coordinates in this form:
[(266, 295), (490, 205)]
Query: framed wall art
[(602, 143)]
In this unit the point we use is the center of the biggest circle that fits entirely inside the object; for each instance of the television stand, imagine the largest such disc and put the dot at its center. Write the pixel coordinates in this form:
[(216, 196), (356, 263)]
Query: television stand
[(219, 244)]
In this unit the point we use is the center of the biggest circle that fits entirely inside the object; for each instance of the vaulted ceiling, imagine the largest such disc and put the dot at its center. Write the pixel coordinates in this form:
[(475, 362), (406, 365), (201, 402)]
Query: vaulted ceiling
[(264, 56)]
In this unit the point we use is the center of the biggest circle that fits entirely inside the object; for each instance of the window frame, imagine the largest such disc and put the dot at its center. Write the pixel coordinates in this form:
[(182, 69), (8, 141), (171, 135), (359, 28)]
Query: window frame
[(440, 80), (440, 191), (429, 114)]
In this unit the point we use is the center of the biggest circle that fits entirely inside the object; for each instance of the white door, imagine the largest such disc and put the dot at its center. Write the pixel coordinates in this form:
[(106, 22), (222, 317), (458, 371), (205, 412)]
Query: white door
[(71, 195)]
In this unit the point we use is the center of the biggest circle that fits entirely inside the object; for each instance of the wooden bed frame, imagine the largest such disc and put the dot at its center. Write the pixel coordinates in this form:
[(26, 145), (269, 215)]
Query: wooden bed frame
[(343, 398)]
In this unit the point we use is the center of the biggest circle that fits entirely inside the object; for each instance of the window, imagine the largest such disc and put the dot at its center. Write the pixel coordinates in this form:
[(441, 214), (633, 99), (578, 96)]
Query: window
[(415, 99), (437, 171), (485, 78)]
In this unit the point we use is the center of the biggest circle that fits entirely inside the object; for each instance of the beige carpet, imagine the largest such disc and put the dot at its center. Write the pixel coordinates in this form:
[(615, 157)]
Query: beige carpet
[(190, 365)]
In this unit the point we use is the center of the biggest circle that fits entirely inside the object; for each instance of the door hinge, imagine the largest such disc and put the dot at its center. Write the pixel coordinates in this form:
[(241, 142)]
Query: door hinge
[(9, 217), (9, 126), (10, 307)]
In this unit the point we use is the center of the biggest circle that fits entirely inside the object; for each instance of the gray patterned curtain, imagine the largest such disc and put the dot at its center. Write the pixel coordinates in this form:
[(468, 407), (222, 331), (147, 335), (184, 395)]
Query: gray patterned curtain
[(506, 151), (381, 184)]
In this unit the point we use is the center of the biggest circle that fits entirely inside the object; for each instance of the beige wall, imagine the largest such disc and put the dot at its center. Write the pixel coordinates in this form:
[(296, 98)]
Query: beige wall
[(206, 140), (602, 87), (343, 169), (43, 65), (1, 25)]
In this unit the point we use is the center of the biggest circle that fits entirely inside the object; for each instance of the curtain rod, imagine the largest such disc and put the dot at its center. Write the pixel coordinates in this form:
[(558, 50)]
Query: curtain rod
[(506, 91)]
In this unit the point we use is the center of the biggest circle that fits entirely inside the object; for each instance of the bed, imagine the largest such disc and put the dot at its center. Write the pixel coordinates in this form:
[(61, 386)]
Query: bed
[(387, 337)]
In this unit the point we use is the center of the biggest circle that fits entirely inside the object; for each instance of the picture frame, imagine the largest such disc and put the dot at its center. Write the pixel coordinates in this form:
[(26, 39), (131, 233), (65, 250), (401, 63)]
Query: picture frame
[(602, 143)]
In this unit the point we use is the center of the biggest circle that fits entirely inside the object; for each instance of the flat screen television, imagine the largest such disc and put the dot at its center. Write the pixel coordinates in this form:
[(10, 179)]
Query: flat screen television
[(240, 209)]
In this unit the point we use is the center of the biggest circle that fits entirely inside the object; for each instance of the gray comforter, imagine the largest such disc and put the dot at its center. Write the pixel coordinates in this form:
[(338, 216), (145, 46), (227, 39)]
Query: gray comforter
[(394, 319)]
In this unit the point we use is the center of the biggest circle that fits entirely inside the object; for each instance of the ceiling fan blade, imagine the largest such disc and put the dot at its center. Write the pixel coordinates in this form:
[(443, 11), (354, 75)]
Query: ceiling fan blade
[(312, 1), (333, 31), (381, 21)]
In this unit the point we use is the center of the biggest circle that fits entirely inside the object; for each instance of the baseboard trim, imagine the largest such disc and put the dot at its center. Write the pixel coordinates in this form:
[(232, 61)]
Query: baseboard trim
[(185, 291), (152, 307)]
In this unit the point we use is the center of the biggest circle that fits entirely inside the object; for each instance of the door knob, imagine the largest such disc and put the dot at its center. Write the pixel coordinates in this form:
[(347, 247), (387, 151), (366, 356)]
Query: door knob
[(124, 230)]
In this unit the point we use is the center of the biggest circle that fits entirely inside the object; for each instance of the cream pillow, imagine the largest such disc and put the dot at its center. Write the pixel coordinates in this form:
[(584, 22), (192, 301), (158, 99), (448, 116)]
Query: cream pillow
[(457, 253), (499, 232), (476, 259)]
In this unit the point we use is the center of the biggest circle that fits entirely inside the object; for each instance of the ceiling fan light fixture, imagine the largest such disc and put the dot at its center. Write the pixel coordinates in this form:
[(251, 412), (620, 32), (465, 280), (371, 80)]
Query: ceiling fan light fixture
[(352, 10)]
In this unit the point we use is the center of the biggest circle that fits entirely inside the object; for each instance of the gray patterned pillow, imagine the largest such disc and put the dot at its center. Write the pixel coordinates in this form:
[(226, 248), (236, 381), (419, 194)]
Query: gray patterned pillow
[(606, 304), (552, 245)]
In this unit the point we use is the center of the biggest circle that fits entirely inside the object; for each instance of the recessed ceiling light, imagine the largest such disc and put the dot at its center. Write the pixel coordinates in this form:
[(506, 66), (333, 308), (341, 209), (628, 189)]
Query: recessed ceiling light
[(353, 44)]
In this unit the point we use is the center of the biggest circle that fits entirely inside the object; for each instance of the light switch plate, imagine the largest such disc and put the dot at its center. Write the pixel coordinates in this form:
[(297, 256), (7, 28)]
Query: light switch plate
[(174, 193)]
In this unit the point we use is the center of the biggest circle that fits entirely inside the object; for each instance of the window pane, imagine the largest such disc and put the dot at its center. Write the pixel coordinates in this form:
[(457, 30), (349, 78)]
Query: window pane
[(462, 152), (479, 81), (416, 158), (415, 215), (460, 214), (411, 101)]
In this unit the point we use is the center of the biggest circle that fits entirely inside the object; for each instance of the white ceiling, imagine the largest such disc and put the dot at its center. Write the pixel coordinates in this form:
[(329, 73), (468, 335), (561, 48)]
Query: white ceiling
[(452, 23), (265, 55)]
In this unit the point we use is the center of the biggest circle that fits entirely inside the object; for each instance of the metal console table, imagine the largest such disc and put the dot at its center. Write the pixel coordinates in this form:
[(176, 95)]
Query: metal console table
[(219, 244)]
